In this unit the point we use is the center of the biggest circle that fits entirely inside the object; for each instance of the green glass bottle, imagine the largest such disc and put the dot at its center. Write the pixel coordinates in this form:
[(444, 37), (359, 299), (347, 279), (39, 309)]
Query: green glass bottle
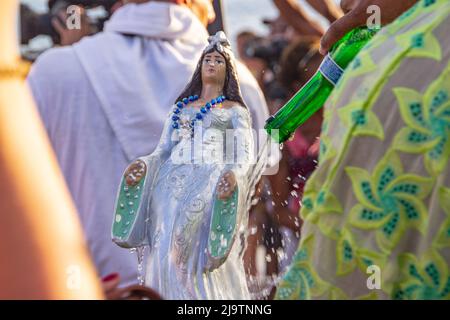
[(313, 95)]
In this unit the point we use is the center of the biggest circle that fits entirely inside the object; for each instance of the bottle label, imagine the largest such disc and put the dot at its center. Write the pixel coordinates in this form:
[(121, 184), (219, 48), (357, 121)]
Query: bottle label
[(331, 70)]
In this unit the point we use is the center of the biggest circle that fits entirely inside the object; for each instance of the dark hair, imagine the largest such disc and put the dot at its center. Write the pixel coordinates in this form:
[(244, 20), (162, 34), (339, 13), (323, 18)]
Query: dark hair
[(300, 55), (231, 88)]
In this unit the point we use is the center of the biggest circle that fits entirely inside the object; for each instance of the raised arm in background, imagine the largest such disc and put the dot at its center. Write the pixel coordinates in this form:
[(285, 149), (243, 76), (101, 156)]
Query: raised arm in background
[(298, 18), (327, 8)]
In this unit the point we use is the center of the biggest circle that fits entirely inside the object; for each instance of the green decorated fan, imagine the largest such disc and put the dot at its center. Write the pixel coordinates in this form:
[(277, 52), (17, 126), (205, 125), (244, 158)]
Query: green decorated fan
[(223, 227), (130, 215)]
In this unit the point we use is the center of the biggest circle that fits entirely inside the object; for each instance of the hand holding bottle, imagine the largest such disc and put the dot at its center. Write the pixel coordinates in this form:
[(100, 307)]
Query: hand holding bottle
[(312, 96), (356, 15)]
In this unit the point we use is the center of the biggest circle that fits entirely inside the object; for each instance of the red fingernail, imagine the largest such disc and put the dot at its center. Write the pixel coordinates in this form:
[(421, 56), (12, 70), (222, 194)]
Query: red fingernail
[(110, 277)]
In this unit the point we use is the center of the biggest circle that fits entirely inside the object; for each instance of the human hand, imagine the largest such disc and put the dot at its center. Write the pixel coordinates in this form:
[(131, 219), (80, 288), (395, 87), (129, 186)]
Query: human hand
[(298, 18), (134, 292), (226, 186), (110, 285), (204, 10), (356, 15), (327, 8), (71, 36)]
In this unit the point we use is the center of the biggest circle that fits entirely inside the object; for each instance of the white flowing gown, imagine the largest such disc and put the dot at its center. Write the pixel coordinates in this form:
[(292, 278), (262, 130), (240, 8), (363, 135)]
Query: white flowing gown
[(186, 171)]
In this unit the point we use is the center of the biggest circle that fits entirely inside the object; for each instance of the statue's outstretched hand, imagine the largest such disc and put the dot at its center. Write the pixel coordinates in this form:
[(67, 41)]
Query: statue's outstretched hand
[(226, 186), (135, 172)]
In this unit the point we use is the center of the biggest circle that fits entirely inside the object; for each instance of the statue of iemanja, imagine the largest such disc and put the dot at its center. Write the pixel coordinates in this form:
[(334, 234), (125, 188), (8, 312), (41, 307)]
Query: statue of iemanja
[(188, 201)]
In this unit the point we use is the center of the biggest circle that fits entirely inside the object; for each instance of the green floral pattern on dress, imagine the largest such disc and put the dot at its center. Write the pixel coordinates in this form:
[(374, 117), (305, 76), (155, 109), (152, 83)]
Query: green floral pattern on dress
[(390, 201), (338, 294), (387, 205), (323, 208), (420, 44), (349, 255), (443, 236), (428, 123), (363, 122), (301, 281), (361, 65), (427, 279), (327, 150), (320, 202), (411, 16)]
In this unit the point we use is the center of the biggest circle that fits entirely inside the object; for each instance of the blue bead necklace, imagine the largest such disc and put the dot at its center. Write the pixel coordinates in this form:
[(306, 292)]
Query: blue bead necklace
[(199, 116)]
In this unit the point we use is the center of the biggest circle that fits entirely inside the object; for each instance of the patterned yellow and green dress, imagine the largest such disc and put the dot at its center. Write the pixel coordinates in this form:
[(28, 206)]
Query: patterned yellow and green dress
[(377, 210)]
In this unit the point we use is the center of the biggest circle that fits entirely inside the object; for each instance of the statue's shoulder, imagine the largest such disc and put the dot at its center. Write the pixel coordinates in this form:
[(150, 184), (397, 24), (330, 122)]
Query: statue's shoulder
[(231, 104)]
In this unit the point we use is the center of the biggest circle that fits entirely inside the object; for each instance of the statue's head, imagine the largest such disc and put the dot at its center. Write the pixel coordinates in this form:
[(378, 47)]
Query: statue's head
[(216, 65)]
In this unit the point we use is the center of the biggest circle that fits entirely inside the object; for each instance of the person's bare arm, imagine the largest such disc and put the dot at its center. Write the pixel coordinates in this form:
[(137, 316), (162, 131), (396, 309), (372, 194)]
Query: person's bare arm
[(327, 8), (296, 17)]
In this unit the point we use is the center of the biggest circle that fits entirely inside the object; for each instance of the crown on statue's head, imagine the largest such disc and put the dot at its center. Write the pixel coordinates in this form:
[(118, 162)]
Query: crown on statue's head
[(220, 42)]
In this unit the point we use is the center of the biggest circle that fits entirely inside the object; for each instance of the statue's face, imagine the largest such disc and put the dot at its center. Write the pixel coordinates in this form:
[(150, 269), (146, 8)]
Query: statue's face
[(214, 68)]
